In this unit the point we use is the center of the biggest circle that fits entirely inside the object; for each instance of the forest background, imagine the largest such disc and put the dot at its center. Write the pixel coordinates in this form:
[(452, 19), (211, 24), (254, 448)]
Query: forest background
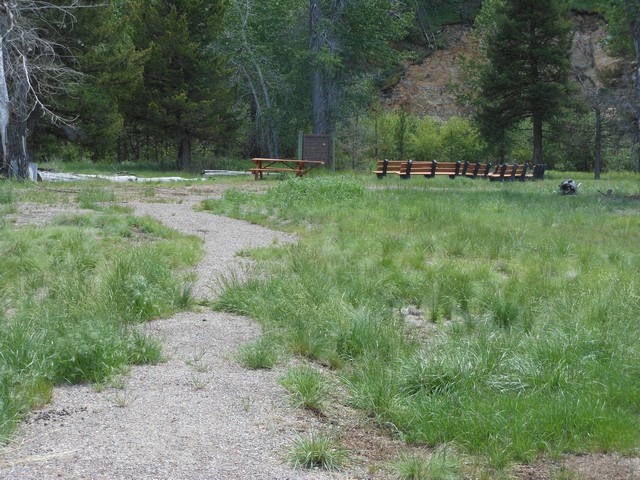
[(193, 83)]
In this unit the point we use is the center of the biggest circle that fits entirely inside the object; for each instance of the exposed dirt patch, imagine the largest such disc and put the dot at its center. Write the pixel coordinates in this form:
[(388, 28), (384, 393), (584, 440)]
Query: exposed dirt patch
[(594, 466), (425, 88), (38, 215)]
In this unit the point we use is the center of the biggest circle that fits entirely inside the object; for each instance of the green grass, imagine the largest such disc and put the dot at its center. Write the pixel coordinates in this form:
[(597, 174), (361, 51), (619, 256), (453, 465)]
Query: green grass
[(259, 354), (71, 294), (7, 196), (441, 465), (307, 387), (317, 450), (93, 197), (530, 298)]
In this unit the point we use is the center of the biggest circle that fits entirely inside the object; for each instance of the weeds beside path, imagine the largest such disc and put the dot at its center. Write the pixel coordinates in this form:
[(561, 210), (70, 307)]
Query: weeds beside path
[(197, 416)]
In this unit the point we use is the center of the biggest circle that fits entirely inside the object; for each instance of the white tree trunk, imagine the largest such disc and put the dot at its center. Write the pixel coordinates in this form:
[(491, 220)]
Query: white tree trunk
[(6, 24), (635, 157), (249, 63), (30, 73), (4, 103)]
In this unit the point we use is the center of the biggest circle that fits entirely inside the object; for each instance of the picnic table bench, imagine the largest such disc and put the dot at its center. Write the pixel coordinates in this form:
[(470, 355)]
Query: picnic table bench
[(282, 165)]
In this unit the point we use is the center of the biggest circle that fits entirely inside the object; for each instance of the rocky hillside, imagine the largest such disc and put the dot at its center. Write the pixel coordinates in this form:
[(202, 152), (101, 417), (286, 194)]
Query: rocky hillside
[(426, 87)]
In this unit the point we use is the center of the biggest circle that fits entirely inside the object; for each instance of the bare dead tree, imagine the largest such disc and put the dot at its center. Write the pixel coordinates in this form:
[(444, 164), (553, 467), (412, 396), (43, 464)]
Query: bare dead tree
[(32, 74)]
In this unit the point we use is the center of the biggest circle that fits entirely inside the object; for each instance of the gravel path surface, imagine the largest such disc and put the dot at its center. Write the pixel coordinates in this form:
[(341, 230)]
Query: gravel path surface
[(197, 416)]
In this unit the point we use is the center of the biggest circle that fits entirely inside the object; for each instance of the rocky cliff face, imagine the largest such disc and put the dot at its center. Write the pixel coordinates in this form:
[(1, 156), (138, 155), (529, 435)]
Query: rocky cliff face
[(426, 88), (588, 56)]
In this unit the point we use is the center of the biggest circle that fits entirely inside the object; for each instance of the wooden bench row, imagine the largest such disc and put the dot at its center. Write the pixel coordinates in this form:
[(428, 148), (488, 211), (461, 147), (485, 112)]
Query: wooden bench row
[(501, 172)]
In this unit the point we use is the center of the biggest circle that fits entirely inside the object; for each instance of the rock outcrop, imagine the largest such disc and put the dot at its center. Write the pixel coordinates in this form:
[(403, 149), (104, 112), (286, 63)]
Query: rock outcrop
[(427, 88)]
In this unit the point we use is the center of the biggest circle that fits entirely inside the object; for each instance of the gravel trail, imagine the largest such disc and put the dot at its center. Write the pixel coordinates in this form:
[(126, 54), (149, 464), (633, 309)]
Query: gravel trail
[(197, 416)]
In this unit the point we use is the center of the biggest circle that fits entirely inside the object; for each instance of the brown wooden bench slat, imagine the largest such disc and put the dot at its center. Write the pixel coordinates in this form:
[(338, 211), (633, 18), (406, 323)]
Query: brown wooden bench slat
[(430, 169), (387, 166), (510, 172), (422, 168), (475, 170)]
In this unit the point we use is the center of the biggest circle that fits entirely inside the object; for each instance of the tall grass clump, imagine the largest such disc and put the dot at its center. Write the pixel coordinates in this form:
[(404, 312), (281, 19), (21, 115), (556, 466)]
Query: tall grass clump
[(307, 386), (261, 353), (140, 286), (526, 341), (95, 198), (70, 297), (443, 464), (7, 203), (7, 195), (317, 450)]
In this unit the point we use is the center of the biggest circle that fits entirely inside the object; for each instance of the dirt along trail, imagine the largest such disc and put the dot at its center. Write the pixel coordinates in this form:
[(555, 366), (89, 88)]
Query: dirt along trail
[(197, 416)]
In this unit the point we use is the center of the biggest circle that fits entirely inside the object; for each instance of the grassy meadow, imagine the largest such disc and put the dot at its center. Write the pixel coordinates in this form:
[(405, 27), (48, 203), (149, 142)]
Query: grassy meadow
[(526, 307), (72, 291), (497, 322)]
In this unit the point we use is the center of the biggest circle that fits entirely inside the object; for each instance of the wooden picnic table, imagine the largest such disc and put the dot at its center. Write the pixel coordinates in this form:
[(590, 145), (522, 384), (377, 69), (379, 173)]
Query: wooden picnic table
[(282, 165)]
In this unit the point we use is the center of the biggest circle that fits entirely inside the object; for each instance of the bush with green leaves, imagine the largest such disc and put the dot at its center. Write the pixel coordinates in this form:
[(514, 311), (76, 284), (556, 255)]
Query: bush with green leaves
[(450, 141), (425, 142)]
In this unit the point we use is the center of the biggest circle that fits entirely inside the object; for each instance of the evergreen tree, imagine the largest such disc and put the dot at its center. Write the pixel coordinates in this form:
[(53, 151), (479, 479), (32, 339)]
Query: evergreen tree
[(185, 94), (623, 18), (112, 68), (526, 74)]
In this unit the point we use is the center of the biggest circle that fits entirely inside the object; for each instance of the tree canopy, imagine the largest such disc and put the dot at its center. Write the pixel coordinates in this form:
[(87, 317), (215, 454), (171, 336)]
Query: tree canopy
[(170, 79), (527, 69), (184, 94)]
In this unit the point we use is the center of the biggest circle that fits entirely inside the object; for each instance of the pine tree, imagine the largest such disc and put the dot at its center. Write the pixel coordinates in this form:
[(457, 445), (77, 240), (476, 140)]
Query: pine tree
[(623, 25), (186, 94), (112, 69), (526, 74)]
